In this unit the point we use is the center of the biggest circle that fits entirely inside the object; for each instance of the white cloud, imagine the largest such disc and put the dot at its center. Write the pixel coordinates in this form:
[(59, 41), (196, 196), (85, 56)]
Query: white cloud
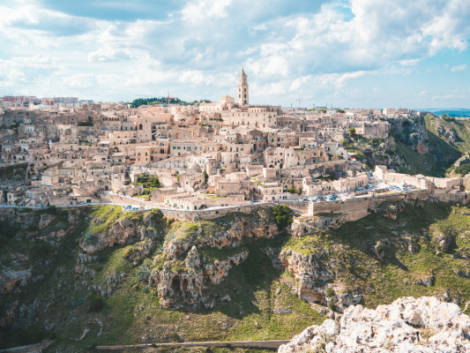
[(410, 62), (198, 10), (271, 66), (200, 46), (458, 68)]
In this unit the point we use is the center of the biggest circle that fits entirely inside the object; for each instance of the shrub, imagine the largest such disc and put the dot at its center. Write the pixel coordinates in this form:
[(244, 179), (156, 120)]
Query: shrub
[(463, 169), (330, 292), (53, 210), (332, 305), (41, 250), (283, 216), (90, 239), (95, 302)]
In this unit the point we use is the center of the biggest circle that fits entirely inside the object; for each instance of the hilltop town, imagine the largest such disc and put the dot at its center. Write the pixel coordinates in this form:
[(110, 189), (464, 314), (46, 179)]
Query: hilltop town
[(198, 157)]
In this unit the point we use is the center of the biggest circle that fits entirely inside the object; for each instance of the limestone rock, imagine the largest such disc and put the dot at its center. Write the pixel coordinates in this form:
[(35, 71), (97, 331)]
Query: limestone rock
[(409, 325), (312, 272), (188, 285), (444, 242)]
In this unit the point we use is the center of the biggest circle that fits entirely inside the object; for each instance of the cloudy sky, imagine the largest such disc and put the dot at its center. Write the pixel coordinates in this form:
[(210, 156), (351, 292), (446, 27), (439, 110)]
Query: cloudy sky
[(353, 53)]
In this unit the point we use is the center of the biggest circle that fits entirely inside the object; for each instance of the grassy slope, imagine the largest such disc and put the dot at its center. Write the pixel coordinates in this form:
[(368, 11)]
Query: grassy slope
[(384, 281), (439, 156), (435, 162), (460, 126)]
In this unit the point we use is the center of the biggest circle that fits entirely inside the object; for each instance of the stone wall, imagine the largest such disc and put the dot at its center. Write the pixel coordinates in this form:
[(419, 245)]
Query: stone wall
[(329, 213)]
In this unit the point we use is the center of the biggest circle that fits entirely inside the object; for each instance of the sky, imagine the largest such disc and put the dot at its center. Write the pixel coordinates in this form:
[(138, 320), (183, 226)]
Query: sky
[(340, 53)]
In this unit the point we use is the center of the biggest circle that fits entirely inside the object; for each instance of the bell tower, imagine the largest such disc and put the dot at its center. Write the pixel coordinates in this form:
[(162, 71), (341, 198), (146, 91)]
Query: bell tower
[(243, 88)]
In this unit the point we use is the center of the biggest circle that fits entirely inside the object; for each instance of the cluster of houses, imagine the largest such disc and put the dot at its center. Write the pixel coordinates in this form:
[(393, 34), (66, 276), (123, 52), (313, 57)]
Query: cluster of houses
[(182, 156)]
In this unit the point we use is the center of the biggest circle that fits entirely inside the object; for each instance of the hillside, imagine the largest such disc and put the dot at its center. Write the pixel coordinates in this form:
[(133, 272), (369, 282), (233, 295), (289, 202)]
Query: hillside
[(111, 277), (428, 145), (87, 270), (440, 142)]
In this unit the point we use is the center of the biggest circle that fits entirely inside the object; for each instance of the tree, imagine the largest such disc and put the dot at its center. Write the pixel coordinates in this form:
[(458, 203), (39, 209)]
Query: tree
[(283, 216), (352, 132)]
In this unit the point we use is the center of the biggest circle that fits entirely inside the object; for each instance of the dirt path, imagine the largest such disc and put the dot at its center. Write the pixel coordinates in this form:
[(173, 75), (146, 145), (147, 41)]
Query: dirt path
[(32, 348), (272, 344)]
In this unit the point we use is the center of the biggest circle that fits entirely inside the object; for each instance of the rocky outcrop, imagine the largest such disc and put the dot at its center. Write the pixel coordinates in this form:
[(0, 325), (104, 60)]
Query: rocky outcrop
[(422, 325), (444, 242), (187, 284), (122, 232), (9, 280), (218, 270), (240, 229), (183, 275), (313, 272), (447, 133)]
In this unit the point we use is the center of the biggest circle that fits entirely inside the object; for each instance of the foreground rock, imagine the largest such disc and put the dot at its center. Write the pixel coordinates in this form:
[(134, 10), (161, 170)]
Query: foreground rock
[(422, 325)]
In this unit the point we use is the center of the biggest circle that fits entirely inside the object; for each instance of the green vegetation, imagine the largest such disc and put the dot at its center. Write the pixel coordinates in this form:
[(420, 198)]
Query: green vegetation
[(85, 123), (460, 128), (181, 231), (220, 254), (283, 216), (13, 172), (157, 100), (103, 218), (261, 304), (148, 183), (411, 256), (463, 169), (95, 302), (164, 100), (446, 139)]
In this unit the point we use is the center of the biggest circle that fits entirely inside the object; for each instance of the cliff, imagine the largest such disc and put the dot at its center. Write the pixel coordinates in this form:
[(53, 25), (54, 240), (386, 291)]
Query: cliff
[(99, 275)]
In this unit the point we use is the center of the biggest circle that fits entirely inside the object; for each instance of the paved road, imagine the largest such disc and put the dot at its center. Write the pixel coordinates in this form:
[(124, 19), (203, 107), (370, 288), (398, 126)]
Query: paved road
[(146, 207), (339, 197)]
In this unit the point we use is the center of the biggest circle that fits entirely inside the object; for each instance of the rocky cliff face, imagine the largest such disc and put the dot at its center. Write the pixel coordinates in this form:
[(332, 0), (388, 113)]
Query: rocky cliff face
[(197, 256), (407, 325), (401, 247), (243, 276), (100, 274)]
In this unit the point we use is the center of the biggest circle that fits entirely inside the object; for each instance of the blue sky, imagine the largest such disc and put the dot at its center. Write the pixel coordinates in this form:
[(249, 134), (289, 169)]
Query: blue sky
[(349, 53)]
